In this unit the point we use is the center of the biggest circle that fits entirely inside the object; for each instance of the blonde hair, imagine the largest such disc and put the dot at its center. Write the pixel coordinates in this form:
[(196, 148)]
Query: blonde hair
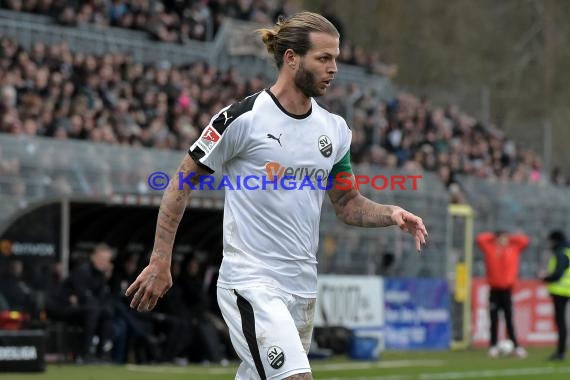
[(293, 33)]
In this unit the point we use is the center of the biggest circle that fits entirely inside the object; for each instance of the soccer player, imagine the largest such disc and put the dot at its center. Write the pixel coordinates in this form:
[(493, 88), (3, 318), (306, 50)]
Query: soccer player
[(267, 285)]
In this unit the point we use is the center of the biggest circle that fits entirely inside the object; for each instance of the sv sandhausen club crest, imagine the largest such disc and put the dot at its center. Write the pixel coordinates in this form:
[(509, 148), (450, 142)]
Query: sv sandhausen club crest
[(325, 145), (275, 357)]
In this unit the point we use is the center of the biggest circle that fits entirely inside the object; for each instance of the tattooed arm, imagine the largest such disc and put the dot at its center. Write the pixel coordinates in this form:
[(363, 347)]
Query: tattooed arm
[(353, 208), (155, 280)]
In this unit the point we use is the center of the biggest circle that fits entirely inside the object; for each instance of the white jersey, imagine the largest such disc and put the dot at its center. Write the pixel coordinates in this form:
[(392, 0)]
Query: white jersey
[(271, 229)]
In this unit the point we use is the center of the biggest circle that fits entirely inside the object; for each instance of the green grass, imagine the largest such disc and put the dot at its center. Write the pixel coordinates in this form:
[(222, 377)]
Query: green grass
[(472, 364)]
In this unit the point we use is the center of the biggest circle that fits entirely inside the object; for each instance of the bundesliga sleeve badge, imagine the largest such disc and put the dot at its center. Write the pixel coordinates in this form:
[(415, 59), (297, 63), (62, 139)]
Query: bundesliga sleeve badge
[(208, 139)]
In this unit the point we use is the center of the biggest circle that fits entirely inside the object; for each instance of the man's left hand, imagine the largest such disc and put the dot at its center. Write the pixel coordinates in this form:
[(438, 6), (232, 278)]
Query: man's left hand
[(412, 224)]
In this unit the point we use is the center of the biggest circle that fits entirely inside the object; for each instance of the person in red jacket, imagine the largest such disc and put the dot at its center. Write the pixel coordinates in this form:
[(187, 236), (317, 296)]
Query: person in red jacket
[(502, 254)]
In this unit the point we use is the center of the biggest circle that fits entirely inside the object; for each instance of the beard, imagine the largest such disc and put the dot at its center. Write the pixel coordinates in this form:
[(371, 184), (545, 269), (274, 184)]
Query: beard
[(306, 82)]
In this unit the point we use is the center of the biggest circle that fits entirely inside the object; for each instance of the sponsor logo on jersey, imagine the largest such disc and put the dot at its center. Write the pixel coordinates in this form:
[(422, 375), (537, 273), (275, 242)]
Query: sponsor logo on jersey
[(209, 139), (275, 357), (325, 145), (275, 171)]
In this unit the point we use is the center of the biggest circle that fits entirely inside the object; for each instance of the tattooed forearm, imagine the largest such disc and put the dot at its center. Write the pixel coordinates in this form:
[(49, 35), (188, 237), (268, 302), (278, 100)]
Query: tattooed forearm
[(372, 216), (300, 376), (354, 209), (169, 217), (170, 214), (363, 212)]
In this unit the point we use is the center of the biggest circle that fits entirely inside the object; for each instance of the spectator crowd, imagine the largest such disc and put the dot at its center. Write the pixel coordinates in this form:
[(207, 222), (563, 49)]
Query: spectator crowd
[(52, 91), (178, 21), (166, 20), (99, 325)]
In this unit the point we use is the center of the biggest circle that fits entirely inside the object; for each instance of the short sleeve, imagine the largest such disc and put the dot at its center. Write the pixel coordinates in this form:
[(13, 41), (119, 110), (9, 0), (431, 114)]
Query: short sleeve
[(344, 141), (343, 166), (342, 160), (220, 141)]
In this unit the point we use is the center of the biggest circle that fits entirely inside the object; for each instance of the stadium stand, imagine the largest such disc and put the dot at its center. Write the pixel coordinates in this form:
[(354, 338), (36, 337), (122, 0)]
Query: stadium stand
[(52, 91), (77, 120), (181, 21)]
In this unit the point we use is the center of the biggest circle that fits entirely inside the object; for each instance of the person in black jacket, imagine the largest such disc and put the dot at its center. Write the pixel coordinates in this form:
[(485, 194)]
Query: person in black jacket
[(205, 340), (84, 298), (140, 327), (17, 292), (558, 283)]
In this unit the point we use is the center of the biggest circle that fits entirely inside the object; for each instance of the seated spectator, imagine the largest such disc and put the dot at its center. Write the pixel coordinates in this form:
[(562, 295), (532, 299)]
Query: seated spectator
[(84, 299), (206, 343), (17, 293), (140, 328), (4, 306), (176, 326)]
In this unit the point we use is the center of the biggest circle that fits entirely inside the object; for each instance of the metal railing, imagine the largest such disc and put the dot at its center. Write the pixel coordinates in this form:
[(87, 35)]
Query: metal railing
[(345, 249), (38, 169), (534, 209)]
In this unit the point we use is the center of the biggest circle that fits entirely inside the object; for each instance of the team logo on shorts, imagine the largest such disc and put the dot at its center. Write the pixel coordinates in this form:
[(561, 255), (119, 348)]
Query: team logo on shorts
[(325, 145), (276, 357)]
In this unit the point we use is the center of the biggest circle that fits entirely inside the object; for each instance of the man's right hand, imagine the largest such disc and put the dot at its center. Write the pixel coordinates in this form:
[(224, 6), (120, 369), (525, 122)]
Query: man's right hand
[(153, 282)]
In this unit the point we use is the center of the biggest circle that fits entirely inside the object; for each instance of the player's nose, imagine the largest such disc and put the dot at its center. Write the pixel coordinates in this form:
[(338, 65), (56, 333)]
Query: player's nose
[(332, 69)]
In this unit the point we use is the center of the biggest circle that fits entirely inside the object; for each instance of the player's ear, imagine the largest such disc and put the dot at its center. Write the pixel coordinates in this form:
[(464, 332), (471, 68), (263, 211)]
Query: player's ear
[(290, 59)]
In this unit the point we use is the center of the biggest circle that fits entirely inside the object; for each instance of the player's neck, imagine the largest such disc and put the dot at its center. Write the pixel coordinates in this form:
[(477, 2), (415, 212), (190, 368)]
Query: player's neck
[(290, 97)]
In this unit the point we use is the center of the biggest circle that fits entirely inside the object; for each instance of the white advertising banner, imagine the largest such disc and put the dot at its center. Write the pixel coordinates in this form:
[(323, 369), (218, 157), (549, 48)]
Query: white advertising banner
[(350, 301)]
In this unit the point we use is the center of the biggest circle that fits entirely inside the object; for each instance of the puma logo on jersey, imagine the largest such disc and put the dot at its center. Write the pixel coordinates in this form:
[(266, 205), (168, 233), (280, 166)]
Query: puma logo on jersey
[(278, 139), (226, 117)]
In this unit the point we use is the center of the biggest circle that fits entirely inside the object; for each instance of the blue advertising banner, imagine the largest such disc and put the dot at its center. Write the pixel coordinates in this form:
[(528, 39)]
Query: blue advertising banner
[(417, 313)]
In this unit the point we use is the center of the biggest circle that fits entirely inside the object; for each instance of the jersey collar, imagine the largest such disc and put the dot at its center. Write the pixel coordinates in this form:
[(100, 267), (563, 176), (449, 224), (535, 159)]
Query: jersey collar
[(294, 116)]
